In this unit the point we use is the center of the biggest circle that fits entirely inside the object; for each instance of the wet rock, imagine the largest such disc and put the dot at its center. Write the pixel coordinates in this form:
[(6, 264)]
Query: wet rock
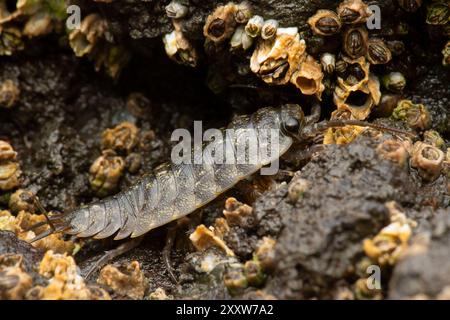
[(423, 269), (323, 231)]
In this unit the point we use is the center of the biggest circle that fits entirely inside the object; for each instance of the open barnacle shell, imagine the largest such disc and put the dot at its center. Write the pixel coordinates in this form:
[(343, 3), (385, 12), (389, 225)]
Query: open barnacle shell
[(325, 23), (355, 73), (308, 78), (221, 23), (275, 60), (353, 12), (360, 98), (428, 160)]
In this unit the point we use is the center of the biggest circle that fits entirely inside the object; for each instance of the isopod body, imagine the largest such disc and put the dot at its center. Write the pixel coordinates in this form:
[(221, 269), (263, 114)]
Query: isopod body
[(175, 190)]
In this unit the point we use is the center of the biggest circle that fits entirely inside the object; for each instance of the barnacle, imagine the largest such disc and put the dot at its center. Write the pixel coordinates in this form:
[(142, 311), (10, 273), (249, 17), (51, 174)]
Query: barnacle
[(89, 40), (243, 12), (353, 11), (394, 81), (308, 78), (254, 273), (105, 173), (396, 47), (265, 253), (415, 115), (275, 61), (237, 213), (378, 52), (234, 279), (203, 238), (438, 13), (7, 152), (355, 41), (296, 189), (176, 9), (10, 40), (23, 221), (179, 49), (84, 39), (22, 200), (269, 29), (345, 134), (328, 61), (254, 26), (221, 23), (434, 138), (9, 93), (428, 160), (127, 280), (9, 175), (159, 294), (391, 241), (325, 23), (410, 5), (123, 137), (133, 162), (8, 222), (65, 282), (393, 150), (446, 54), (9, 168), (387, 105), (14, 282), (240, 39), (363, 292)]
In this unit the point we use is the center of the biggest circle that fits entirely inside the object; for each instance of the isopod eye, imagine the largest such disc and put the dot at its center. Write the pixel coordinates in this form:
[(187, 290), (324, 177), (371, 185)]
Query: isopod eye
[(291, 125)]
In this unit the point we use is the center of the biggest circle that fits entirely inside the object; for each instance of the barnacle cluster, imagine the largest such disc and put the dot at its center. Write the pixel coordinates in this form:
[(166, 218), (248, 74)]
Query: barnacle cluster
[(438, 15), (389, 243), (91, 39), (64, 281), (118, 144), (127, 280), (9, 167), (15, 282), (28, 18), (23, 220)]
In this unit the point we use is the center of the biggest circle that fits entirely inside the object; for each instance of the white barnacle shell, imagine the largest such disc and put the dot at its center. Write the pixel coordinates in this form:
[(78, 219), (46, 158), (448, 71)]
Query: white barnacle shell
[(328, 61), (269, 29), (241, 39), (176, 10), (254, 26), (170, 43)]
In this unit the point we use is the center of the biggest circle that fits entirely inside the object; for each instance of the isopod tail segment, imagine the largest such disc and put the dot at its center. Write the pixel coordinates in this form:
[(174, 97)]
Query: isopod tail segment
[(52, 221)]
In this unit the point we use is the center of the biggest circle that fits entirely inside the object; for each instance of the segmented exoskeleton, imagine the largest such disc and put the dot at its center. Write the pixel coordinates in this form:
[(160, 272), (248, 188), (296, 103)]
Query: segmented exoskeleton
[(175, 190)]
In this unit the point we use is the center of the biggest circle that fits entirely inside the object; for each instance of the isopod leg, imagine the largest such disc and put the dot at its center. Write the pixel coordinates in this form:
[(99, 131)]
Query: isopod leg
[(167, 250), (114, 253)]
